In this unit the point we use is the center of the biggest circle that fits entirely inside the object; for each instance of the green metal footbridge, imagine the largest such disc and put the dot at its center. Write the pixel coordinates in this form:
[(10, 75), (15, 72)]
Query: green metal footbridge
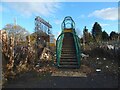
[(68, 46)]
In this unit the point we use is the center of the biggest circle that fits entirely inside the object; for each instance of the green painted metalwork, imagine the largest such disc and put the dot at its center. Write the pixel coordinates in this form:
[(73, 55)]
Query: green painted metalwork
[(77, 45), (66, 21), (59, 47)]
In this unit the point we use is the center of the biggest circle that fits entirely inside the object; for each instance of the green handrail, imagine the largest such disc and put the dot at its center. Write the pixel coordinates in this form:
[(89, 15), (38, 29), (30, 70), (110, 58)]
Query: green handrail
[(77, 45), (59, 47), (60, 40)]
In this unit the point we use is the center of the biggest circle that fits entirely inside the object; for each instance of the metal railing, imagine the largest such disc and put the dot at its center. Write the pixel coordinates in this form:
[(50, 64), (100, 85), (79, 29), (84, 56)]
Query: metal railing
[(77, 46), (59, 47), (59, 43)]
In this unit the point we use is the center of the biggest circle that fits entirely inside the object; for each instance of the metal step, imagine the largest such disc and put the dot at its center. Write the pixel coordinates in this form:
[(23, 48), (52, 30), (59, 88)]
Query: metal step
[(66, 52), (68, 45), (63, 49), (69, 66), (68, 55), (68, 60), (68, 49), (68, 42), (75, 57), (68, 63)]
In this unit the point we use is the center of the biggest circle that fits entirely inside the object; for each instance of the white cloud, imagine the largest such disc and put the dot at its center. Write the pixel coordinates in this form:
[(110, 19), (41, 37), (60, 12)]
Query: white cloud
[(58, 22), (35, 8), (103, 24), (81, 16), (106, 14)]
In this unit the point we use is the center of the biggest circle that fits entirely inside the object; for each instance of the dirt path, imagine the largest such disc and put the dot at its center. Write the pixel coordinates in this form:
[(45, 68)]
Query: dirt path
[(32, 80)]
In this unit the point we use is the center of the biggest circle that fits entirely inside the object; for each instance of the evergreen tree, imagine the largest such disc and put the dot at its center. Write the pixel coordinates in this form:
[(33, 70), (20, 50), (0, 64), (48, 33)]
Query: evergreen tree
[(97, 31), (105, 36), (114, 35), (87, 37)]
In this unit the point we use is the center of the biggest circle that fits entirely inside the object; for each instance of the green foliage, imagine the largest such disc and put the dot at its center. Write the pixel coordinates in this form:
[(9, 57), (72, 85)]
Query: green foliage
[(114, 35), (81, 39), (105, 36), (90, 37), (87, 37), (97, 31)]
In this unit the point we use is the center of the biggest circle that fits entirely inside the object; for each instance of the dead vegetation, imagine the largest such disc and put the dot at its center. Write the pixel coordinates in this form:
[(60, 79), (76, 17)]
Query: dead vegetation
[(102, 59), (19, 58)]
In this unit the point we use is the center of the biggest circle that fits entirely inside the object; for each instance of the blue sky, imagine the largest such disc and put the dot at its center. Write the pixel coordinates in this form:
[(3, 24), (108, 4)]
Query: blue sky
[(83, 13)]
